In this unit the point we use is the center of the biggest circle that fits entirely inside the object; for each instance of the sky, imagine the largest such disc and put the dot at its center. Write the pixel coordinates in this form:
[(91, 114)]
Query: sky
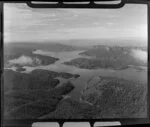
[(25, 24)]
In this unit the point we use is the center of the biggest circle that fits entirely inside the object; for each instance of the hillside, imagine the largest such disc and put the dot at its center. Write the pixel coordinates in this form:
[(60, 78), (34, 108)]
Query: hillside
[(33, 94), (105, 97), (116, 98)]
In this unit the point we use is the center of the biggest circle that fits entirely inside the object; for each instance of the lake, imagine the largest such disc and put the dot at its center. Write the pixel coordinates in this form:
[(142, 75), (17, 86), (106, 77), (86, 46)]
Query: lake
[(85, 74)]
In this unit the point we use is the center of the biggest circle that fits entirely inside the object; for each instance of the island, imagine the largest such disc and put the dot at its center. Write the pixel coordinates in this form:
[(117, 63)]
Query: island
[(108, 57)]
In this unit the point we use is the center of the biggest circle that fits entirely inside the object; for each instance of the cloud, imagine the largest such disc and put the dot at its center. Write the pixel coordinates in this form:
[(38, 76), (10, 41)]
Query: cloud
[(25, 60), (139, 55), (22, 23)]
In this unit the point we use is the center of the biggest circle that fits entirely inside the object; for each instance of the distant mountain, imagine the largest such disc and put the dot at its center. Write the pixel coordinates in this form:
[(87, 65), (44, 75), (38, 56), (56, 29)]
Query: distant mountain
[(52, 46), (129, 42)]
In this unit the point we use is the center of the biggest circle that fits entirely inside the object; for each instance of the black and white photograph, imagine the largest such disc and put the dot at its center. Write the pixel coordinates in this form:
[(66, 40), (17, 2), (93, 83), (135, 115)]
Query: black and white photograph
[(75, 63)]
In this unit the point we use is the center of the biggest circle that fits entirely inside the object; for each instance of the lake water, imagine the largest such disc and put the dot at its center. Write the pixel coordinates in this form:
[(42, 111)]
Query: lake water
[(85, 74)]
